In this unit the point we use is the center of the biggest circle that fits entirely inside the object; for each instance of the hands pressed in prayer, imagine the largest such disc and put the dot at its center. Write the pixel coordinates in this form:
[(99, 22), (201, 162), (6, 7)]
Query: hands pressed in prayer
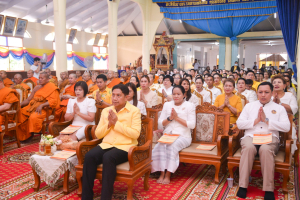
[(261, 116), (276, 99), (76, 108), (98, 96), (173, 114), (112, 118), (226, 102)]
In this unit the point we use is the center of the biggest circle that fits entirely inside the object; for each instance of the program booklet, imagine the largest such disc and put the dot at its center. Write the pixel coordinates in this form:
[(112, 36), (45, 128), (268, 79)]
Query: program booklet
[(64, 154), (70, 129), (206, 147), (168, 138), (260, 139)]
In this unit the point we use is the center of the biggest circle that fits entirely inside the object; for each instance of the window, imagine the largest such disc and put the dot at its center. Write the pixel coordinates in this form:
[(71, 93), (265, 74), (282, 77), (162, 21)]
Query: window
[(70, 64), (102, 64), (9, 63)]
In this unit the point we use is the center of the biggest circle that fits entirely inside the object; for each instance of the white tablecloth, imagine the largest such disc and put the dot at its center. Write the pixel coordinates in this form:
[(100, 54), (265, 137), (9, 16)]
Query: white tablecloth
[(50, 169)]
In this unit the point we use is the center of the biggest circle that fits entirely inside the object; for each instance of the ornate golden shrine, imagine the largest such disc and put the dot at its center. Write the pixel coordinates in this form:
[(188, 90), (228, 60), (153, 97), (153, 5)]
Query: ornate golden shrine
[(164, 46)]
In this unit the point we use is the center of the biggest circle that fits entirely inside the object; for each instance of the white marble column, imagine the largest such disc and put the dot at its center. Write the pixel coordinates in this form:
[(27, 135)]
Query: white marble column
[(60, 36), (228, 54), (113, 33)]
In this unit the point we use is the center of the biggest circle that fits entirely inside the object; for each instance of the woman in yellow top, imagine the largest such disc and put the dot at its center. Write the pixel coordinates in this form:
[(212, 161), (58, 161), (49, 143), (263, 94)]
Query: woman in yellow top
[(229, 102), (135, 80)]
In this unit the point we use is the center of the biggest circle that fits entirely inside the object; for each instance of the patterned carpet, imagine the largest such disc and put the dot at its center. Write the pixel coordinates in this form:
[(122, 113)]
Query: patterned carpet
[(189, 182)]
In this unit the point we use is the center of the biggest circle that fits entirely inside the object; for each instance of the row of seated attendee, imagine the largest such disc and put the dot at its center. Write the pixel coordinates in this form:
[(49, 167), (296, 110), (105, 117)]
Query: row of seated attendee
[(75, 101)]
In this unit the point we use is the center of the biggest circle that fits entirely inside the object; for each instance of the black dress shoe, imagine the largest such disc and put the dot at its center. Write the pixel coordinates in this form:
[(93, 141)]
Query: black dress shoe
[(269, 196), (242, 193)]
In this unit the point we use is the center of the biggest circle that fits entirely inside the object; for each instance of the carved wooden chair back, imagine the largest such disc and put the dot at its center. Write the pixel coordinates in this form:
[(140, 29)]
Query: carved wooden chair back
[(210, 123), (99, 107), (23, 94), (154, 113), (30, 83)]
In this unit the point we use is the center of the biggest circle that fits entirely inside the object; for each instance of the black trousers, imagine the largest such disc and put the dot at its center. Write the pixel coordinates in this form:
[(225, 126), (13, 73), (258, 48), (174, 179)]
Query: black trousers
[(110, 158)]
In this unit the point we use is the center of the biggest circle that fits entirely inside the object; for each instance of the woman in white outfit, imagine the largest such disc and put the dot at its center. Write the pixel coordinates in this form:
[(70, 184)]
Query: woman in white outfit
[(177, 117), (81, 110), (199, 89), (287, 100), (185, 83), (132, 98)]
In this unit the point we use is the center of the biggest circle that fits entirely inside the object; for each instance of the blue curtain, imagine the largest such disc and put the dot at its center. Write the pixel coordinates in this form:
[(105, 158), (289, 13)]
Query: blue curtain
[(227, 27), (289, 11)]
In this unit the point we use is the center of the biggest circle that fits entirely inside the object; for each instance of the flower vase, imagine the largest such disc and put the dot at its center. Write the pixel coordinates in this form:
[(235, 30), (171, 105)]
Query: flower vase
[(53, 148)]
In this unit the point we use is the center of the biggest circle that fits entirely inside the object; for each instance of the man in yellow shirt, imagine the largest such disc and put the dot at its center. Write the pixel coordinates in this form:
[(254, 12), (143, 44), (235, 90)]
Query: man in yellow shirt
[(120, 127), (250, 75), (103, 93)]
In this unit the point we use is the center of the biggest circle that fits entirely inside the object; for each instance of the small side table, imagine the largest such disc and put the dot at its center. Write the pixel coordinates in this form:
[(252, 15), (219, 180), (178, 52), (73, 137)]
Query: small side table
[(51, 169)]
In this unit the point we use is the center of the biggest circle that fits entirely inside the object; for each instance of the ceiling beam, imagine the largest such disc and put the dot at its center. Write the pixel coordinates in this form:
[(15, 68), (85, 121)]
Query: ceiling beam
[(134, 28), (50, 12), (121, 15), (167, 25), (183, 25), (131, 16), (82, 9), (105, 28), (10, 4), (38, 6), (102, 7), (103, 15)]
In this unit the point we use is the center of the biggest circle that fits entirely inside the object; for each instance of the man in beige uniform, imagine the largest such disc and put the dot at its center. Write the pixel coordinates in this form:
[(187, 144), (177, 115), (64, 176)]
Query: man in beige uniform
[(261, 117)]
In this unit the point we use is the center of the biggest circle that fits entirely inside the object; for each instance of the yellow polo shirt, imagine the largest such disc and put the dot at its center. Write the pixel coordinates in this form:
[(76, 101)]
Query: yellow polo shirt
[(256, 84), (124, 133), (105, 95)]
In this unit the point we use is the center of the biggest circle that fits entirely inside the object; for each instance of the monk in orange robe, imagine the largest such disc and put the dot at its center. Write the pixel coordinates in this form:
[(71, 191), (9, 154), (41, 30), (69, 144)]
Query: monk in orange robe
[(94, 86), (68, 92), (7, 98), (87, 78), (32, 113), (49, 73), (64, 81), (31, 77), (79, 77), (7, 82), (124, 78), (112, 81), (19, 81)]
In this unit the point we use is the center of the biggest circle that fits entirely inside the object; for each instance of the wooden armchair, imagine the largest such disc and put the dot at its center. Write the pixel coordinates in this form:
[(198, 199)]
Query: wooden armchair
[(217, 122), (30, 83), (23, 94), (139, 158), (282, 159), (50, 113), (10, 119), (154, 113), (100, 106)]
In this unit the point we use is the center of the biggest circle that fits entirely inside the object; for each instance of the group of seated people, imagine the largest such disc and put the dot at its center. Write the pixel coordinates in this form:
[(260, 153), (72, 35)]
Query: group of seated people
[(254, 106)]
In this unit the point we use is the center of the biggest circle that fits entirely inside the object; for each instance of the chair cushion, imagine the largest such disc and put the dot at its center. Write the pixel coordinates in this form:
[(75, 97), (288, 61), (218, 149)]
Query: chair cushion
[(10, 125), (124, 166), (192, 149), (279, 157), (205, 127)]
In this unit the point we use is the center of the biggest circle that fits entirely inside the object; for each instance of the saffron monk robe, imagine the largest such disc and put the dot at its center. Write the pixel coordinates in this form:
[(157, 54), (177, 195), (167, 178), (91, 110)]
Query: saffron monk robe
[(68, 93), (63, 82), (31, 77), (32, 113), (52, 79), (79, 77), (111, 80), (7, 82), (93, 87), (124, 78), (7, 98), (87, 78), (19, 81)]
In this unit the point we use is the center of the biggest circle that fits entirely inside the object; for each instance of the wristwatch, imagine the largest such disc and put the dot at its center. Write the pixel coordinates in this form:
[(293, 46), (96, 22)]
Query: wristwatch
[(169, 119), (266, 120), (101, 101)]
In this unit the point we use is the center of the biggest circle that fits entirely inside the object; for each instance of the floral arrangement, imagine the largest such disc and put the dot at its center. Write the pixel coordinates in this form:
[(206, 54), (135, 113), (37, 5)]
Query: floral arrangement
[(48, 139)]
